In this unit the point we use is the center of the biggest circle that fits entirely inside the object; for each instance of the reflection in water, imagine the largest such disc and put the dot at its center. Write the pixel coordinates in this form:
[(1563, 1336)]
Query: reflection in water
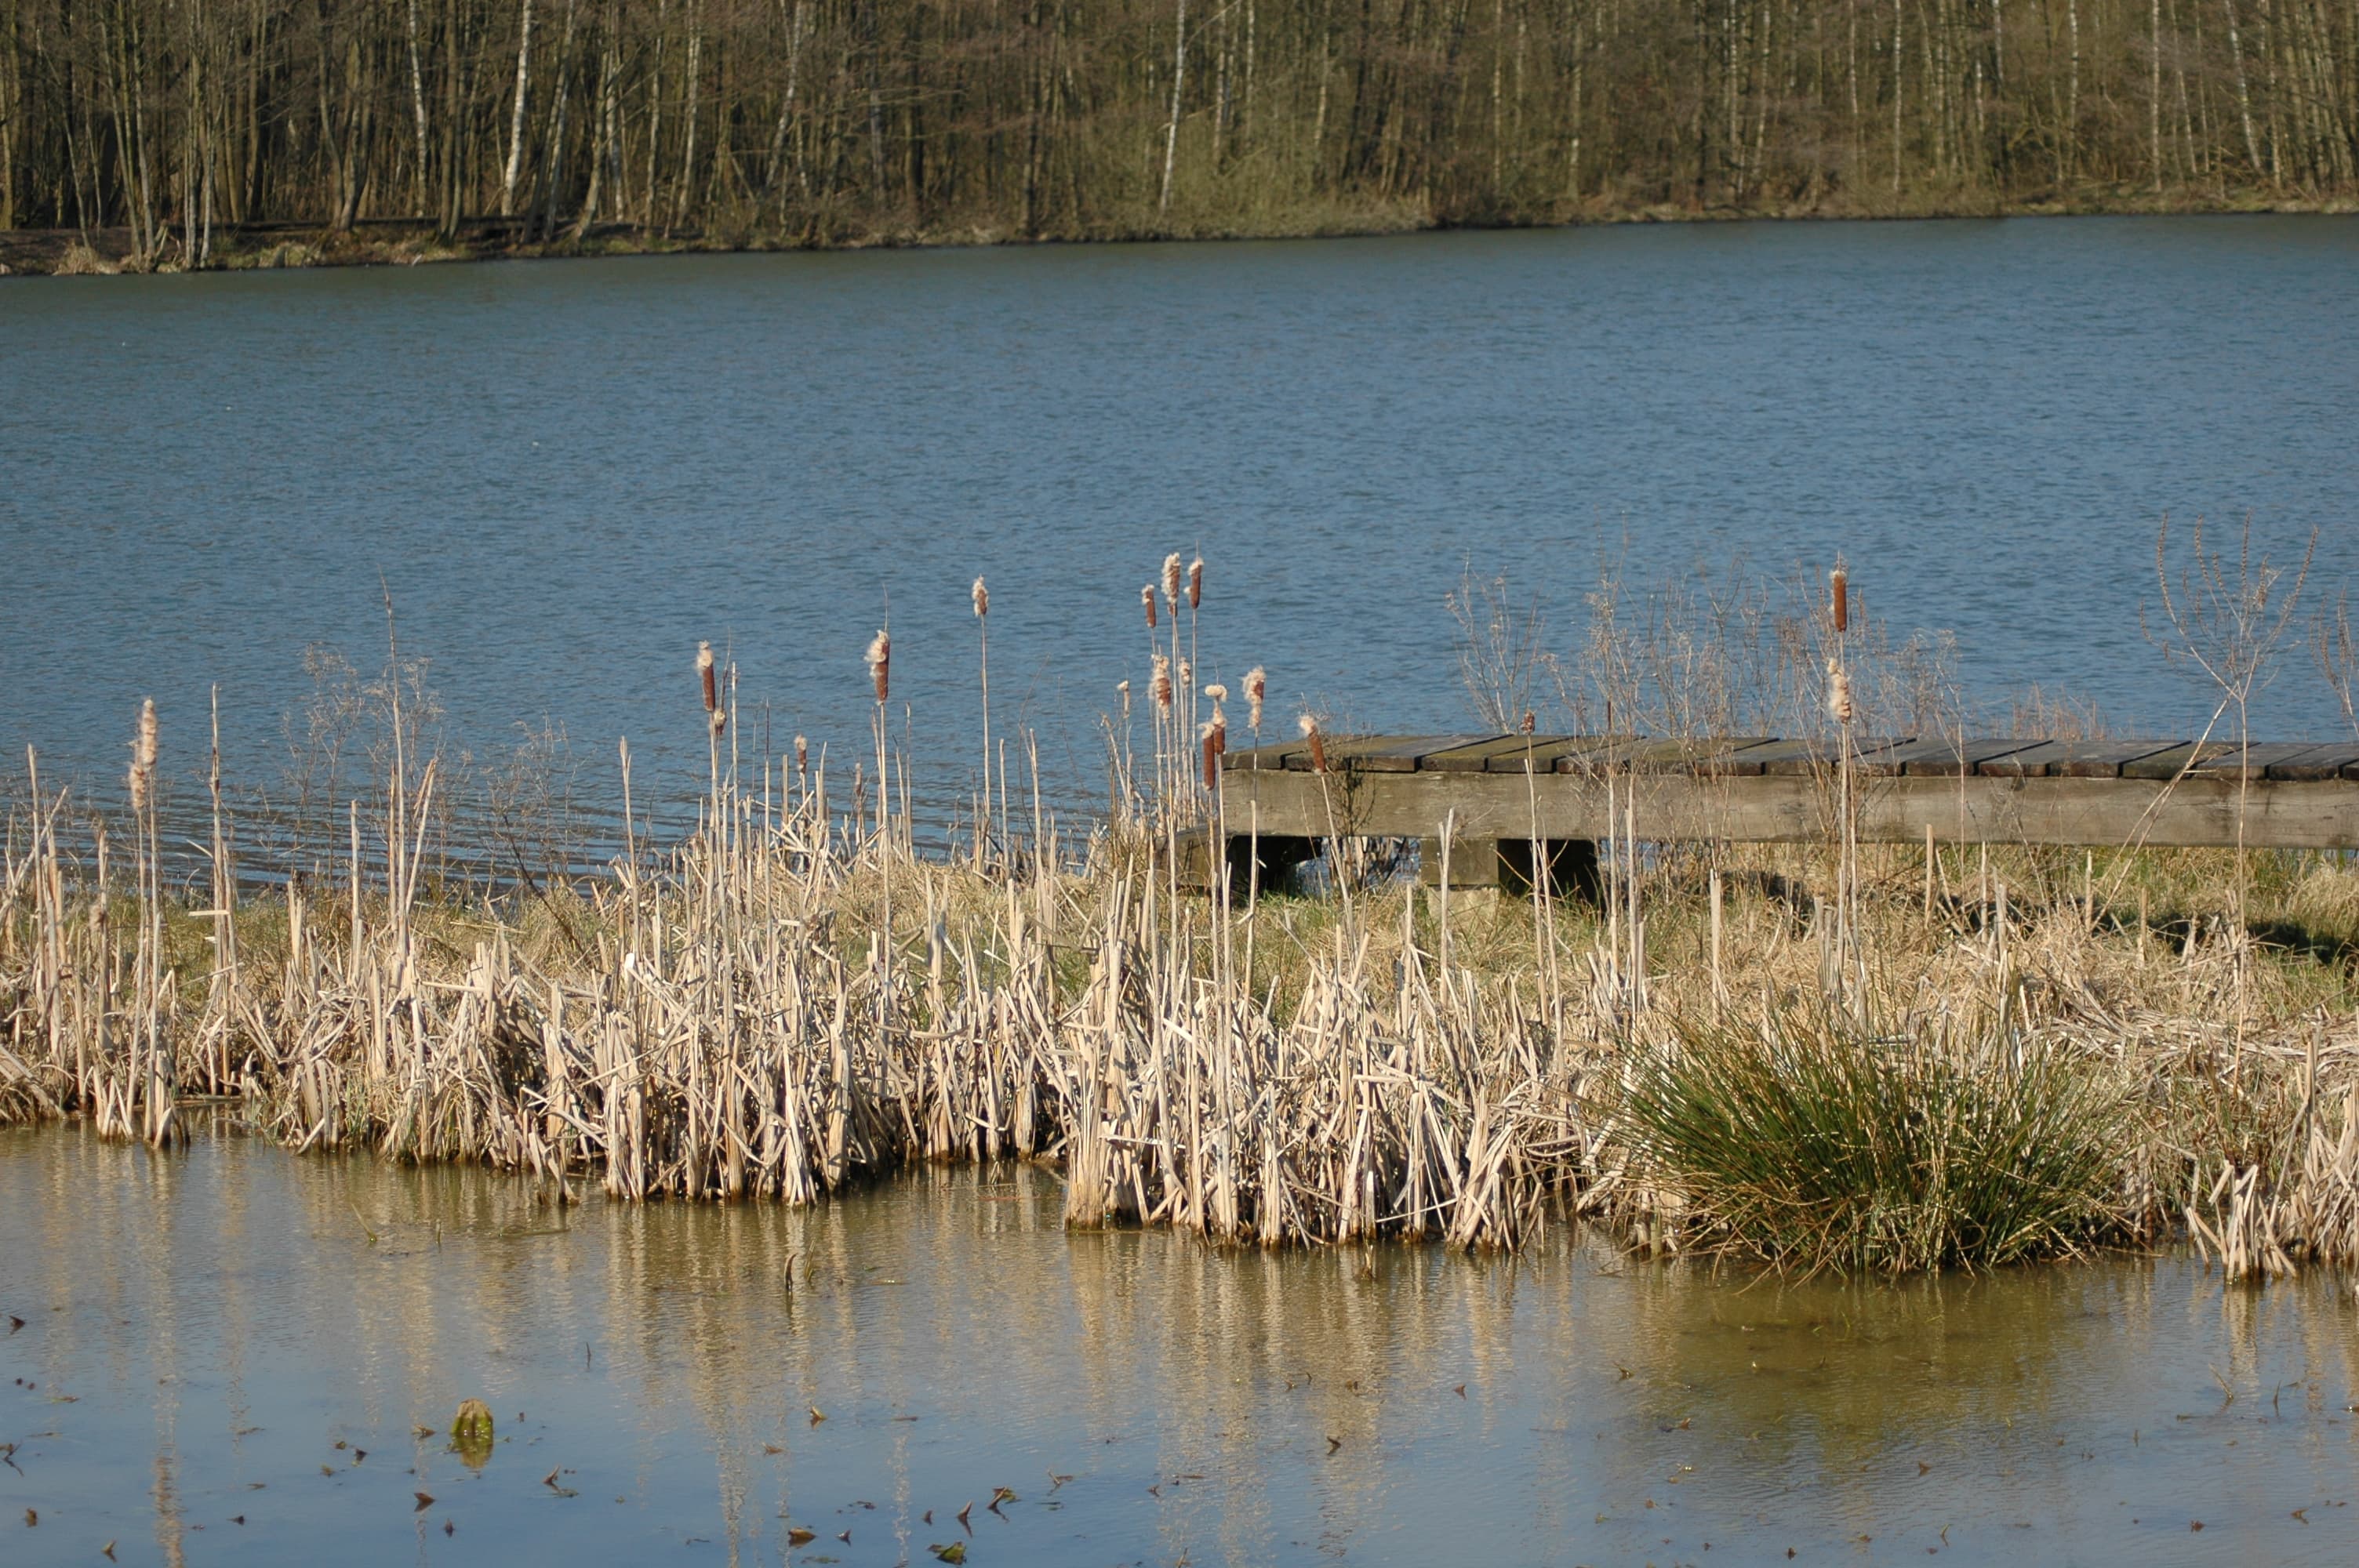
[(237, 1354)]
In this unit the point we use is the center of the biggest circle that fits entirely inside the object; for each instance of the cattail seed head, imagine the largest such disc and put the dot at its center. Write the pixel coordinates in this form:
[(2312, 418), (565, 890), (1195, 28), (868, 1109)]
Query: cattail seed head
[(1122, 689), (880, 662), (982, 600), (1215, 737), (1195, 582), (1187, 676), (1838, 705), (1839, 581), (1256, 688), (142, 757), (704, 674), (1309, 725), (1161, 685), (719, 721), (1146, 598), (1171, 578), (1531, 720), (1217, 692), (802, 754)]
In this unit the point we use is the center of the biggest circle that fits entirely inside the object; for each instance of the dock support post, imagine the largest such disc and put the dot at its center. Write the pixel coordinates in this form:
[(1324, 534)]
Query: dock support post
[(1505, 865)]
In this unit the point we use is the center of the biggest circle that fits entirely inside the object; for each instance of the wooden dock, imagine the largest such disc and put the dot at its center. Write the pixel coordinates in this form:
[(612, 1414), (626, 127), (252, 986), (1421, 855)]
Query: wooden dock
[(1497, 795)]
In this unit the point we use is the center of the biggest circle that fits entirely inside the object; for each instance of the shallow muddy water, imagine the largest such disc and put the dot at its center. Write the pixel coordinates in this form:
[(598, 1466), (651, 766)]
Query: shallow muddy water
[(565, 474), (225, 1354)]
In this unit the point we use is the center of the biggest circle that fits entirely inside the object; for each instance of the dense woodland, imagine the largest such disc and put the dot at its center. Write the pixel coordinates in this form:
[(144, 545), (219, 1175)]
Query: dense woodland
[(183, 123)]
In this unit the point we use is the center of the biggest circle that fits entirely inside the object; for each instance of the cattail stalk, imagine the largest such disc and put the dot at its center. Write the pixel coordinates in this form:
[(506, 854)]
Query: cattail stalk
[(982, 826)]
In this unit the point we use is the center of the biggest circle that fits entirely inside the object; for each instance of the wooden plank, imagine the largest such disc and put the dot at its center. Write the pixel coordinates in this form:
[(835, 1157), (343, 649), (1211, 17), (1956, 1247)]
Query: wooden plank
[(2320, 762), (2101, 759), (1805, 759), (1787, 758), (2257, 759), (2030, 762), (2169, 763), (1939, 756), (1740, 757), (1686, 756), (1379, 753), (1471, 759), (1546, 754), (1267, 758)]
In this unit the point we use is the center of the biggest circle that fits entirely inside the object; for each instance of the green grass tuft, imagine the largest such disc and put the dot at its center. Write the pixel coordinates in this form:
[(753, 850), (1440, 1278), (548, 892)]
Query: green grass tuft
[(1804, 1143)]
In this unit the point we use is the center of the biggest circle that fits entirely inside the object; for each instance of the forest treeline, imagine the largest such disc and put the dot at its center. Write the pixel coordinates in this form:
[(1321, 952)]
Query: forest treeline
[(734, 122)]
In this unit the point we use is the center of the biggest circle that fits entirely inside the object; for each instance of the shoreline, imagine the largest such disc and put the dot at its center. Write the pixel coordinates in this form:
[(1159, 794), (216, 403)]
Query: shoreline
[(407, 242)]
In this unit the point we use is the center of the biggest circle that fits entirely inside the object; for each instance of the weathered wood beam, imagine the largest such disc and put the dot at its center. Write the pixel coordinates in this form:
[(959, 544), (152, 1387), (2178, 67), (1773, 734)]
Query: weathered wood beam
[(2201, 809)]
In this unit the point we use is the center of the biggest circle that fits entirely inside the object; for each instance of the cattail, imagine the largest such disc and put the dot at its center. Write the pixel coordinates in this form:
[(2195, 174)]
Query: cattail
[(1122, 689), (704, 673), (1840, 581), (1215, 736), (719, 721), (142, 757), (982, 600), (1146, 598), (1171, 578), (1256, 688), (802, 754), (1531, 720), (1310, 728), (1187, 676), (1161, 685), (880, 662), (1195, 582), (1838, 692), (1217, 692)]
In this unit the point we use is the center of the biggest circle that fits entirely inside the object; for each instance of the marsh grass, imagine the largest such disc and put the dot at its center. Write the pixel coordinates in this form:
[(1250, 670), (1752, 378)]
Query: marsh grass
[(1799, 1139)]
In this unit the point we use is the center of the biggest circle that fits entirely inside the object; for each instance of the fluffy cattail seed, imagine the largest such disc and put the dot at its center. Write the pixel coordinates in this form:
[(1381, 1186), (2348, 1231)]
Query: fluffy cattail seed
[(1195, 582), (1161, 685), (880, 662), (1217, 692), (802, 754), (142, 757), (1171, 578), (1839, 580), (1146, 598), (982, 600), (1838, 692), (1310, 728), (704, 674), (1187, 676), (1256, 688), (1530, 720)]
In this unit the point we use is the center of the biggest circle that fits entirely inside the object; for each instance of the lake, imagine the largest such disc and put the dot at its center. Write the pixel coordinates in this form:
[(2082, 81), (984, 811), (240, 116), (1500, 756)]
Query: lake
[(228, 1355), (564, 474)]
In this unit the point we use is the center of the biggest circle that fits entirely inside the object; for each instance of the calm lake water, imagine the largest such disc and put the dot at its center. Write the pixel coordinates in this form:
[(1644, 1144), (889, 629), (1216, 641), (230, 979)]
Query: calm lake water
[(226, 1355), (566, 473)]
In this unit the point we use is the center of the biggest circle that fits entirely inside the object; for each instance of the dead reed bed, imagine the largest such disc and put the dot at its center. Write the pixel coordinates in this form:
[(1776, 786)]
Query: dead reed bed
[(791, 998)]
